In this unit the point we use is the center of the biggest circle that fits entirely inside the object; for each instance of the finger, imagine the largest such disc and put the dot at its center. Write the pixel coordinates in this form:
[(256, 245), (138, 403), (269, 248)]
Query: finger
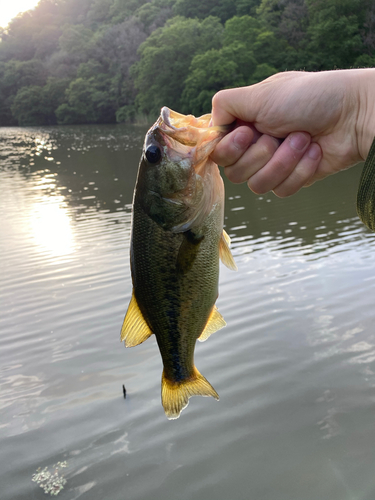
[(255, 158), (281, 164), (302, 174), (229, 104), (234, 145)]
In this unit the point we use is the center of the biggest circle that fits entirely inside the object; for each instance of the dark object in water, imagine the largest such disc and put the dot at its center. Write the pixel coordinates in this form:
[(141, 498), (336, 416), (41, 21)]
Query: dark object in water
[(124, 391)]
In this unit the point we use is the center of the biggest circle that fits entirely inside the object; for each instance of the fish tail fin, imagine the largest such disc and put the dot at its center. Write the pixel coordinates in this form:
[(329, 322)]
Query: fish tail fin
[(175, 395)]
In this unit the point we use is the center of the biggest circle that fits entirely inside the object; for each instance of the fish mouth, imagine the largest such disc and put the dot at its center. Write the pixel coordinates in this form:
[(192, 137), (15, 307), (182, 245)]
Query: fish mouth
[(186, 136), (186, 129)]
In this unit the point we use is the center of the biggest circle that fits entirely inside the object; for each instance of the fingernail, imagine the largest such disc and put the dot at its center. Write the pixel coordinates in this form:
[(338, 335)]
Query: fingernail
[(299, 141), (314, 151), (241, 140)]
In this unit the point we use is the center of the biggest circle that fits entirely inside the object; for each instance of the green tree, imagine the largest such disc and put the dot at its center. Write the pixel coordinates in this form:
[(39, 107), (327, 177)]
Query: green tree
[(99, 12), (240, 62), (242, 29), (82, 54), (115, 49), (121, 9), (270, 49), (247, 7), (335, 40), (224, 9), (46, 41), (154, 14), (293, 23), (18, 74), (29, 108), (76, 40), (212, 71), (262, 71), (88, 101), (54, 96), (165, 59), (368, 30), (17, 40)]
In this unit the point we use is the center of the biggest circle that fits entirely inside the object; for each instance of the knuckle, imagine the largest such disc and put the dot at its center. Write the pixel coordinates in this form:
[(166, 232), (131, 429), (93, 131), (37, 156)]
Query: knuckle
[(263, 150), (218, 98), (256, 186), (270, 144), (234, 175), (283, 191)]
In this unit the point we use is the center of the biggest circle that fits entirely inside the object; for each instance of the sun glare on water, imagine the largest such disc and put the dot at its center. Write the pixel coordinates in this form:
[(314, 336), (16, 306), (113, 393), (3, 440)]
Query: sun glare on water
[(51, 226)]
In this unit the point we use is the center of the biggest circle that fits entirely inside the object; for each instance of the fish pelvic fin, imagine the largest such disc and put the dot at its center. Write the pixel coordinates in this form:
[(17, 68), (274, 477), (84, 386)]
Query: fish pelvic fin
[(225, 253), (134, 330), (175, 395), (214, 323)]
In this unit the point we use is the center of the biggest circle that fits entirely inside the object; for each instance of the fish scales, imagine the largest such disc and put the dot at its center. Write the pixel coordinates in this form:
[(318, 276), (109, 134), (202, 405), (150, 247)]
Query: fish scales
[(167, 296), (177, 239)]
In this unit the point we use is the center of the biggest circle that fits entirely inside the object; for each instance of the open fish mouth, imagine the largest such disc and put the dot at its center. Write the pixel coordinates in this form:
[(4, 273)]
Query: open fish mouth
[(188, 136), (186, 129)]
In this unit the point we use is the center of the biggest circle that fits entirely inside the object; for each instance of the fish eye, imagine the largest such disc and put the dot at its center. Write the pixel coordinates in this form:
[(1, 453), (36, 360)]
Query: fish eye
[(153, 154)]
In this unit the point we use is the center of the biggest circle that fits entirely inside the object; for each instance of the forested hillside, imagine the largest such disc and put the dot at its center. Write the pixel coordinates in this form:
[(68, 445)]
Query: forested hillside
[(102, 61)]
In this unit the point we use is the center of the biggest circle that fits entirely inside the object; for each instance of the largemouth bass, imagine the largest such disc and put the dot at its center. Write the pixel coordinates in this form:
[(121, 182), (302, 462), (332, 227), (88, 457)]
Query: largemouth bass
[(176, 242)]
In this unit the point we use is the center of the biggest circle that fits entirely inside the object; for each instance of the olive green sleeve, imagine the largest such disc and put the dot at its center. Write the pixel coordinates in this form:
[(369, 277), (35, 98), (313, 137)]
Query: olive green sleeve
[(366, 191)]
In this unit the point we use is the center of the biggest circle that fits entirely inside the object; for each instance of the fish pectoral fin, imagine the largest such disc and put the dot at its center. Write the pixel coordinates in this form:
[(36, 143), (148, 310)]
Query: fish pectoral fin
[(225, 253), (134, 330), (175, 395), (214, 323)]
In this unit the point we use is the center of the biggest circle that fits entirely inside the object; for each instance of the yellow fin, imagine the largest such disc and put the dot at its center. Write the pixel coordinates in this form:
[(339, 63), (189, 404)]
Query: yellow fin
[(134, 330), (175, 395), (227, 237), (225, 253), (214, 323)]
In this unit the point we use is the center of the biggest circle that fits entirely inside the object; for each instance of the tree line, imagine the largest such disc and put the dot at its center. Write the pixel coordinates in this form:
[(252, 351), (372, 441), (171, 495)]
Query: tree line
[(106, 61)]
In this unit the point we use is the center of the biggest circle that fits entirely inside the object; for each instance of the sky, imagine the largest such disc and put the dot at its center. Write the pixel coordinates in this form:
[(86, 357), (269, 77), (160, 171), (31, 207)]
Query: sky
[(10, 8)]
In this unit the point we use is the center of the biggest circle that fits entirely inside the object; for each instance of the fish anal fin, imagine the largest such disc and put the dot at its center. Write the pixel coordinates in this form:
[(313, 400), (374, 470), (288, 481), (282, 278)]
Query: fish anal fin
[(225, 253), (134, 330), (214, 323), (175, 395)]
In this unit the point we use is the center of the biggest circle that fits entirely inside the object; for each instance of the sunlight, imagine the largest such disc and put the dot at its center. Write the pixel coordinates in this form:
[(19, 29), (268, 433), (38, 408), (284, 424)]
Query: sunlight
[(9, 10), (51, 226)]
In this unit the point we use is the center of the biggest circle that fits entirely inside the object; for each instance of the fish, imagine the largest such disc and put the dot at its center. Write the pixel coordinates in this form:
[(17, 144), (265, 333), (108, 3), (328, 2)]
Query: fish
[(177, 239)]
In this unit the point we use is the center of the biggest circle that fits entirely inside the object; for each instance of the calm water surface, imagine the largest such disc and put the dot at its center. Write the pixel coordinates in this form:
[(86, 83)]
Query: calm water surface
[(295, 367)]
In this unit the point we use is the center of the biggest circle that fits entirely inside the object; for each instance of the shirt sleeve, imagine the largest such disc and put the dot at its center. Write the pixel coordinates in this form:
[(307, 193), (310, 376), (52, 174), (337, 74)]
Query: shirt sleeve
[(366, 191)]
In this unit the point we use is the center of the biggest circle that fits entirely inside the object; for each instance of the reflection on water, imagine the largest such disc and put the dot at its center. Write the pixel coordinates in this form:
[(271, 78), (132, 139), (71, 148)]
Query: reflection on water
[(51, 226), (295, 367)]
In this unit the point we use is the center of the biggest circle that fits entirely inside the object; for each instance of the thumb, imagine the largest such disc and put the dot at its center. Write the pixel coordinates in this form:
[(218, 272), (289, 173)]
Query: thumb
[(231, 104)]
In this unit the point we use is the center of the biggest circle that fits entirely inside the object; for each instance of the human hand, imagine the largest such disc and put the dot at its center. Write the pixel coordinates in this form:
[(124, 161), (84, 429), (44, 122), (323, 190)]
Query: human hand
[(295, 128)]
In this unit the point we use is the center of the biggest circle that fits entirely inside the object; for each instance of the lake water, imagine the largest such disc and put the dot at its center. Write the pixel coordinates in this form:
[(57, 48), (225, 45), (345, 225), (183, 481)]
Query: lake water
[(295, 367)]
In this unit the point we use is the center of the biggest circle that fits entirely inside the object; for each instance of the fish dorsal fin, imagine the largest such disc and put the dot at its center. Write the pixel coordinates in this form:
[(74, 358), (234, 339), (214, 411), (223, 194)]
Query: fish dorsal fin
[(214, 323), (134, 330), (225, 253)]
